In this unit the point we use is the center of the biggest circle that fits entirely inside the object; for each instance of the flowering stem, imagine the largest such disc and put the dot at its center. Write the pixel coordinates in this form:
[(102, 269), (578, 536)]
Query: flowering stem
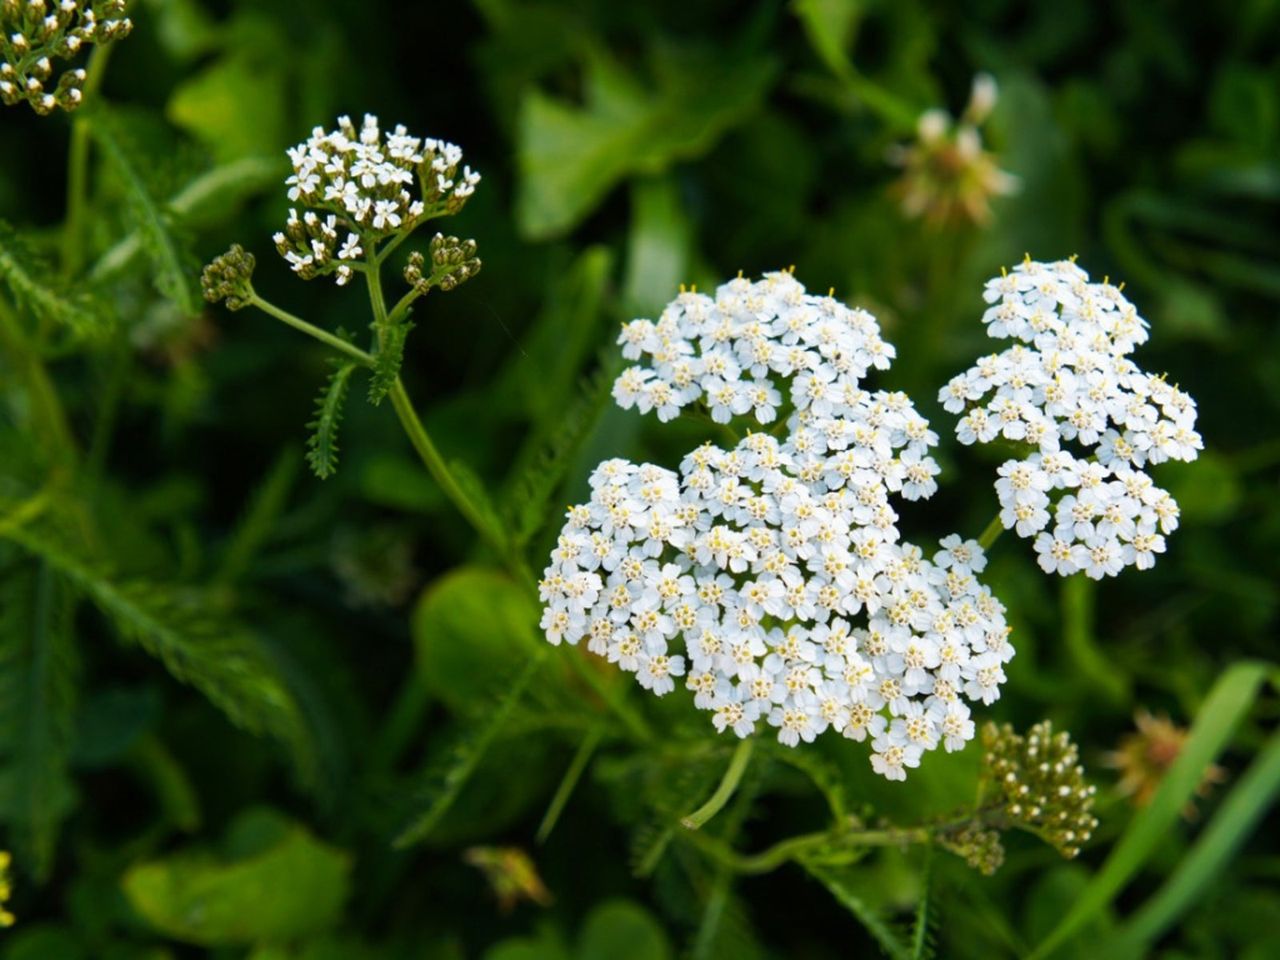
[(311, 330), (990, 535), (728, 784), (796, 847)]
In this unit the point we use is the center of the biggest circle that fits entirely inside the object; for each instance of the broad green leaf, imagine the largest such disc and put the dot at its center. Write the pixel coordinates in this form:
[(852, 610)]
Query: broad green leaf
[(830, 25), (471, 627), (571, 156), (289, 888), (236, 106), (43, 942), (621, 930), (1226, 705)]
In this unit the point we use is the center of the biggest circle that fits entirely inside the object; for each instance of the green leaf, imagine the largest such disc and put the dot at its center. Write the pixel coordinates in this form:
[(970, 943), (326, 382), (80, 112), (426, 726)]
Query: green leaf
[(621, 930), (38, 680), (1224, 708), (236, 106), (260, 517), (659, 245), (389, 361), (830, 26), (1251, 800), (322, 444), (35, 288), (839, 887), (175, 266), (293, 886), (468, 624), (196, 644), (571, 156), (445, 781)]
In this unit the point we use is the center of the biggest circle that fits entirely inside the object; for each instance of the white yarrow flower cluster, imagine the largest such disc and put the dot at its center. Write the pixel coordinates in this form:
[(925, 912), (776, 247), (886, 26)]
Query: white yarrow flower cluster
[(363, 187), (772, 577), (1093, 418)]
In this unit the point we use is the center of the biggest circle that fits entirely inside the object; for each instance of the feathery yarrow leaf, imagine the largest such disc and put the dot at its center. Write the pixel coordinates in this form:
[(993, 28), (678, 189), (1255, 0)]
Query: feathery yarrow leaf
[(390, 359), (322, 444), (35, 288)]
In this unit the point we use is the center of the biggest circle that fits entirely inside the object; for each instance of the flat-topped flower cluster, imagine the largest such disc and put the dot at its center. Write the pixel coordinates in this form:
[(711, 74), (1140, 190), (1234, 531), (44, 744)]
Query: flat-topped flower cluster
[(772, 576), (1093, 419), (363, 187), (36, 33)]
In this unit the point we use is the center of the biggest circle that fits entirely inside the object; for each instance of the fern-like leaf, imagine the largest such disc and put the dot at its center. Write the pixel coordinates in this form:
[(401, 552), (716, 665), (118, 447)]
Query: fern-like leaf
[(541, 469), (443, 781), (175, 266), (38, 680), (322, 445), (32, 283), (876, 925), (388, 362), (196, 644)]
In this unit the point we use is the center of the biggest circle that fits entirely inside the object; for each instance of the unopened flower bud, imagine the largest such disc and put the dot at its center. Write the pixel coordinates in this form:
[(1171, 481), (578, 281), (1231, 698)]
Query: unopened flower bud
[(229, 278)]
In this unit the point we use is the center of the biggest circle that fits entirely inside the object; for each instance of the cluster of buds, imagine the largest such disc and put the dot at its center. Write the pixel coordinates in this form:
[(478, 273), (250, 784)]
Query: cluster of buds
[(948, 177), (359, 186), (230, 278), (980, 847), (1037, 783), (35, 33), (450, 263)]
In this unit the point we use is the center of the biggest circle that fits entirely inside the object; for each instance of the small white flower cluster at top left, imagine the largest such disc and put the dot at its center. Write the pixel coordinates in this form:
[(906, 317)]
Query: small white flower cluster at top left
[(772, 576), (360, 186)]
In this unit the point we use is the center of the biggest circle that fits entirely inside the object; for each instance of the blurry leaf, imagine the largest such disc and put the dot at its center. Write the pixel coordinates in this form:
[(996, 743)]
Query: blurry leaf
[(1237, 817), (174, 265), (1227, 703), (620, 930), (1209, 492), (659, 244), (322, 443), (830, 25), (111, 722), (34, 287), (198, 646), (395, 481), (570, 157), (293, 887), (236, 107), (260, 516), (469, 627), (44, 942), (184, 27), (1051, 896), (445, 782), (37, 701)]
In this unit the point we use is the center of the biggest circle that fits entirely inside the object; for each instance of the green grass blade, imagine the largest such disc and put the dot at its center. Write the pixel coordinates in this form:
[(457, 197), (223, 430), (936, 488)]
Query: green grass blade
[(1228, 702)]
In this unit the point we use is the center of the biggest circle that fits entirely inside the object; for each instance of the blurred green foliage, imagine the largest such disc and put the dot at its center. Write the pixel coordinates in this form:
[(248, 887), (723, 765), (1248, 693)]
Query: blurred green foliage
[(359, 669)]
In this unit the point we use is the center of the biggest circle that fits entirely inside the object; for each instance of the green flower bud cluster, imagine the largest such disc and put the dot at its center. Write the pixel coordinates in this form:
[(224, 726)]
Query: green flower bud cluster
[(35, 33), (980, 848), (451, 262), (230, 277), (1036, 781)]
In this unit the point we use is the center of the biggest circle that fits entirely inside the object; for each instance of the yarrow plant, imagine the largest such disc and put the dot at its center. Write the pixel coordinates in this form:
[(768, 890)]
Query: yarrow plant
[(1091, 418), (745, 571), (34, 34)]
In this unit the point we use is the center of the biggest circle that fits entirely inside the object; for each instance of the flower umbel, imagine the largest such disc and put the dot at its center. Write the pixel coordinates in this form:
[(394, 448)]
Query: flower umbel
[(362, 187), (1092, 418), (758, 559), (36, 33)]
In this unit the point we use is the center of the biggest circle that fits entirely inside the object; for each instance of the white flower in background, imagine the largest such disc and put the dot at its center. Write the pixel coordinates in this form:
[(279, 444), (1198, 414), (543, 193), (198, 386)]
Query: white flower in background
[(772, 576), (1092, 419), (362, 187)]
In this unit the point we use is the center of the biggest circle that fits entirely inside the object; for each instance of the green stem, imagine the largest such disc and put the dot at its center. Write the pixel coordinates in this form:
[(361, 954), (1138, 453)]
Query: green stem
[(581, 757), (795, 847), (311, 330), (728, 784), (1078, 636), (78, 168), (401, 309), (991, 533)]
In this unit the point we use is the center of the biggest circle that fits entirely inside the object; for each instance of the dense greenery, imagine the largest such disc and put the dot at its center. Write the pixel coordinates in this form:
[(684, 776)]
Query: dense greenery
[(249, 712)]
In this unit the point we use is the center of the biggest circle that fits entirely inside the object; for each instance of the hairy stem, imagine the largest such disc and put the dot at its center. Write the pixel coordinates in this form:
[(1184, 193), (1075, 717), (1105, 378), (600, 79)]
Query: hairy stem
[(796, 847), (311, 330), (728, 784)]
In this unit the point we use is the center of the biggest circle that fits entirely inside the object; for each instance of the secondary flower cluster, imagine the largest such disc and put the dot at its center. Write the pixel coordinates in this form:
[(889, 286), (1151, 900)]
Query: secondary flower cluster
[(745, 571), (1070, 382), (362, 187), (35, 33), (1037, 782)]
